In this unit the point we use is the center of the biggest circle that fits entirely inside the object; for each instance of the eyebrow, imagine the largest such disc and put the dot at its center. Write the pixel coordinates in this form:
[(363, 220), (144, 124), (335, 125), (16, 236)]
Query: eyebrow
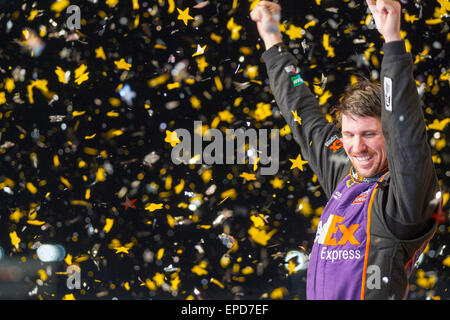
[(362, 132)]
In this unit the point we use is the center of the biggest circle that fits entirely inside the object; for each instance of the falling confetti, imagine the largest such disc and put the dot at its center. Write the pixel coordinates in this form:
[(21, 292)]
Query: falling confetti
[(184, 15), (298, 162), (89, 120)]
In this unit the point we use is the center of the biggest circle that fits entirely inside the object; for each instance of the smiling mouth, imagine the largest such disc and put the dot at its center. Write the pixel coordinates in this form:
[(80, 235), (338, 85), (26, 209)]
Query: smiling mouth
[(363, 159)]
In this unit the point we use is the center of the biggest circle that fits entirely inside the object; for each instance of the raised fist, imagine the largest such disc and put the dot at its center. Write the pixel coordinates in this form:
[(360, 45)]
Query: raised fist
[(267, 15), (387, 15)]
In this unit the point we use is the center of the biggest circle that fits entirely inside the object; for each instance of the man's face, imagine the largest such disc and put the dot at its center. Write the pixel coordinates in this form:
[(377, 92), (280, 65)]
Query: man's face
[(364, 143)]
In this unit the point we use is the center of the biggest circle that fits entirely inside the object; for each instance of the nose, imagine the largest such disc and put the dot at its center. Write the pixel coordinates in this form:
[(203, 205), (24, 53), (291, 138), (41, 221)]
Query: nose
[(359, 146)]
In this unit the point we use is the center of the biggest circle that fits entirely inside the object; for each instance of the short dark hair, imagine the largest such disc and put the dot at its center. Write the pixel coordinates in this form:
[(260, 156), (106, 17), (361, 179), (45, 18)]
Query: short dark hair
[(361, 98)]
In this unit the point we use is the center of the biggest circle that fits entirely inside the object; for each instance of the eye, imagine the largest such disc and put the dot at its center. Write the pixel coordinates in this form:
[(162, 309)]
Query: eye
[(347, 134), (369, 134)]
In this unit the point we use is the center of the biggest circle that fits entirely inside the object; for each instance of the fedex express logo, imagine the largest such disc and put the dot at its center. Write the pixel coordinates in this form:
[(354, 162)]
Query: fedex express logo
[(327, 234)]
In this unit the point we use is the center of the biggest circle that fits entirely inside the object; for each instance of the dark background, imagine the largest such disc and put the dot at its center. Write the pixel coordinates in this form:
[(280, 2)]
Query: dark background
[(104, 276)]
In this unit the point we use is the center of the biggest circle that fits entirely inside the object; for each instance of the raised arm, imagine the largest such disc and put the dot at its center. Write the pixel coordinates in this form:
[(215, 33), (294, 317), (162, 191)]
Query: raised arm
[(414, 185), (319, 139)]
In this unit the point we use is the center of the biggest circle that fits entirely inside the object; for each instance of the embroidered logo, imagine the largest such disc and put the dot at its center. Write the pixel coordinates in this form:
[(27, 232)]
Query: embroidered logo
[(292, 69), (388, 93), (337, 195), (297, 80), (327, 233), (361, 198), (334, 143)]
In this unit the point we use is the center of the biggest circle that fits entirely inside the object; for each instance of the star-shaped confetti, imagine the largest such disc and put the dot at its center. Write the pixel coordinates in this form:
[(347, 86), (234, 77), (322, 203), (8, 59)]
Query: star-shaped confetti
[(122, 249), (113, 94), (294, 32), (234, 28), (262, 111), (298, 162), (201, 63), (129, 203), (297, 117), (277, 183), (226, 116), (122, 64), (439, 125), (184, 15), (16, 215), (248, 176), (260, 236), (200, 50), (258, 220), (172, 138), (100, 53)]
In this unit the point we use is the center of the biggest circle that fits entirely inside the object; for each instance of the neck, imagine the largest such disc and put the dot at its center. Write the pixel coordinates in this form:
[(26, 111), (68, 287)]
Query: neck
[(374, 178)]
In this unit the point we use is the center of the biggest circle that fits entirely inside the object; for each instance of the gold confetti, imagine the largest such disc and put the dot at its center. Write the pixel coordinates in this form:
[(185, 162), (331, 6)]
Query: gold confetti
[(153, 206), (16, 215), (438, 125), (158, 80), (277, 183), (112, 3), (248, 176), (31, 188), (218, 83), (160, 254), (257, 221), (184, 15), (35, 222), (122, 64), (100, 53), (108, 225), (9, 84), (40, 84), (217, 282), (200, 269), (172, 138), (122, 250), (294, 32), (226, 116), (410, 18), (260, 236), (296, 117), (81, 75), (327, 46), (15, 240), (262, 111), (278, 293), (298, 162), (234, 28), (65, 182), (200, 50), (59, 5), (62, 75)]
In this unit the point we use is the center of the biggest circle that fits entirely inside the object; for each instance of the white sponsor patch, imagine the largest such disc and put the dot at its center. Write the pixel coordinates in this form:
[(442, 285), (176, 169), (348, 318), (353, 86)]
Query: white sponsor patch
[(388, 93)]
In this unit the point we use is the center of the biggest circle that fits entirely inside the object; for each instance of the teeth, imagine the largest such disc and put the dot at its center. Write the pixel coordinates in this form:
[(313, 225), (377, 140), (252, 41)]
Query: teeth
[(363, 158)]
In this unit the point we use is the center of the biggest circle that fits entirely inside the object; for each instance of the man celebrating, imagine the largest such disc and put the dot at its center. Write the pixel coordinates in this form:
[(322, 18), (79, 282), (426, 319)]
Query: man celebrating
[(378, 219)]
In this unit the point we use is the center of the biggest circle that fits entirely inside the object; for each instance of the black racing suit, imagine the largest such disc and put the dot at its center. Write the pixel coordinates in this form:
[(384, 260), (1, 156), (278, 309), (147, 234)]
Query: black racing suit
[(398, 221)]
